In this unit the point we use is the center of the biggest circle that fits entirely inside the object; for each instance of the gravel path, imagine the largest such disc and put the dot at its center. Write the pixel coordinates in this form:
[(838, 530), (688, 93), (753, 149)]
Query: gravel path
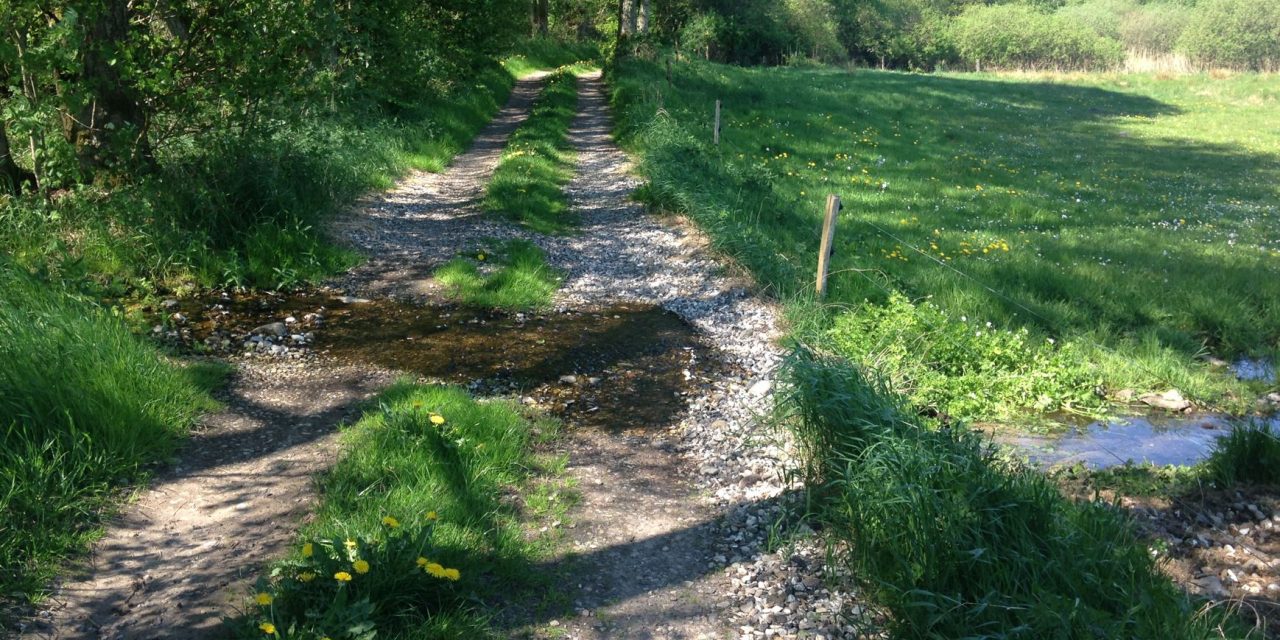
[(669, 539), (672, 525)]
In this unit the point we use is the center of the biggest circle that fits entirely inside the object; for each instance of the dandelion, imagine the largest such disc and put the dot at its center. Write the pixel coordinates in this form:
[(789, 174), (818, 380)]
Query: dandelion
[(390, 522), (437, 419), (308, 550), (423, 562), (452, 574), (431, 515), (361, 566), (263, 599), (435, 569), (480, 257), (267, 628), (342, 576), (306, 576), (351, 544)]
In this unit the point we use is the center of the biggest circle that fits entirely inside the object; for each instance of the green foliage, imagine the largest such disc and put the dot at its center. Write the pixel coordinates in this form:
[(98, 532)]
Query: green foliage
[(957, 542), (87, 408), (420, 491), (1237, 34), (1016, 36), (538, 161), (548, 53), (243, 209), (1249, 454), (978, 173), (518, 277), (968, 368), (1155, 27)]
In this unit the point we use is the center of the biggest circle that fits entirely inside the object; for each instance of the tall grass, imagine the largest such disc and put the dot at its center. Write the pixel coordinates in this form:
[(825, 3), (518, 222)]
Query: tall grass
[(954, 541), (1249, 454), (429, 473), (528, 184), (85, 407)]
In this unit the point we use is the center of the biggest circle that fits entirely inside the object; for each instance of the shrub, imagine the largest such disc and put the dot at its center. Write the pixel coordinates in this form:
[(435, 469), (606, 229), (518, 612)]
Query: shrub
[(1103, 17), (1018, 36), (1154, 28), (1238, 34)]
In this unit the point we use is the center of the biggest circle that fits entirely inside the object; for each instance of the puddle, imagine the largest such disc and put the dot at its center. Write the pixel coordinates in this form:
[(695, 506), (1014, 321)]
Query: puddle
[(624, 368), (1177, 441), (1254, 370)]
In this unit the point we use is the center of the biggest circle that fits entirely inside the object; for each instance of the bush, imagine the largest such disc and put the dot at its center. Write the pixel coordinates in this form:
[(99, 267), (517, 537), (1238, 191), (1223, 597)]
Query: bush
[(956, 542), (1154, 28), (86, 407), (1103, 17), (1020, 37), (1237, 34)]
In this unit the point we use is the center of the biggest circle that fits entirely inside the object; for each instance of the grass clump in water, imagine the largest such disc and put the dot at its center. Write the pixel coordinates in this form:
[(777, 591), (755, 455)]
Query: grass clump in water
[(954, 541), (1249, 454), (417, 525), (528, 185), (522, 279), (85, 408)]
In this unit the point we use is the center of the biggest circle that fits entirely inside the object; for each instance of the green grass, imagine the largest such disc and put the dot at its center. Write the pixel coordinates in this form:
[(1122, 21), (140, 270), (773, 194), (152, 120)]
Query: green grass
[(549, 53), (517, 278), (243, 210), (456, 487), (1127, 223), (953, 541), (528, 185), (1249, 454), (87, 408)]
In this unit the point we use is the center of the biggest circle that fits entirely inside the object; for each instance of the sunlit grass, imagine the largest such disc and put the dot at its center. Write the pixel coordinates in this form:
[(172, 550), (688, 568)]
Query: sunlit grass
[(517, 277), (1129, 218), (428, 472), (538, 162)]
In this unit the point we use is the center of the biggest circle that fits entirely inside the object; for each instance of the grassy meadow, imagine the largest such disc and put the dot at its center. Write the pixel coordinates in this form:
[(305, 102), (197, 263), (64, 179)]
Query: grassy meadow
[(1009, 244)]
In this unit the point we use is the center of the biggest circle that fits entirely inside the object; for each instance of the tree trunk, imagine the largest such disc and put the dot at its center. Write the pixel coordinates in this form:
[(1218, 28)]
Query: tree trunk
[(642, 21), (12, 177), (109, 131), (539, 17)]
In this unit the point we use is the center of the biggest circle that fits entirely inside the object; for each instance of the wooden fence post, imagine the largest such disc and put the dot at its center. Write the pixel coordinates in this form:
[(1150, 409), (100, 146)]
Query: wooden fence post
[(828, 238), (715, 136)]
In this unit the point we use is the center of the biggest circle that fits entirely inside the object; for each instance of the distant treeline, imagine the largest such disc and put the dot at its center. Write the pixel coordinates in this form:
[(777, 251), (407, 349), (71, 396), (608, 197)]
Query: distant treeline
[(979, 34)]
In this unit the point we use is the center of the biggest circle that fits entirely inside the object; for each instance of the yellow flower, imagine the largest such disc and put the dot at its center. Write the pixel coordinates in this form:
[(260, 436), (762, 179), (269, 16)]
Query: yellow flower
[(351, 544), (431, 515), (480, 257), (267, 627), (263, 599), (308, 550), (360, 566), (437, 419), (306, 576), (422, 562), (390, 521), (435, 570), (452, 574), (342, 576)]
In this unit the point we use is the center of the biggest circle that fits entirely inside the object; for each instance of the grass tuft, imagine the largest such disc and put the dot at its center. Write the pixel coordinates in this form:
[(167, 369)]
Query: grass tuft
[(433, 474), (1249, 454), (528, 185), (521, 279)]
